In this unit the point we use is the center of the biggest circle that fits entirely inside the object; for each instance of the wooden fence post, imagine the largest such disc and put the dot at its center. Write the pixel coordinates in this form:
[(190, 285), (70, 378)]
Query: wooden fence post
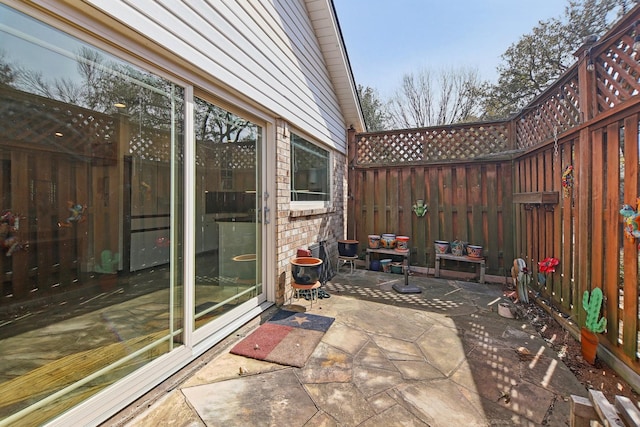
[(351, 184)]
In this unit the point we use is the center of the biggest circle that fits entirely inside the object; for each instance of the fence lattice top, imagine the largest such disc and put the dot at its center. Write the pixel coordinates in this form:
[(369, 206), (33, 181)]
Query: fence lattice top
[(617, 72), (34, 121), (433, 144), (550, 115), (614, 81)]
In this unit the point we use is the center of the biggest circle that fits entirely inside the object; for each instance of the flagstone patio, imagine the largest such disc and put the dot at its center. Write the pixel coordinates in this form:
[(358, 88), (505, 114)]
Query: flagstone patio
[(439, 358)]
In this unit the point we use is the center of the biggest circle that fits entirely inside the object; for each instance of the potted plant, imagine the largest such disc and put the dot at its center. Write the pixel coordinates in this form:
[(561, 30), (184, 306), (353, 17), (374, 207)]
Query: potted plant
[(108, 269), (594, 324)]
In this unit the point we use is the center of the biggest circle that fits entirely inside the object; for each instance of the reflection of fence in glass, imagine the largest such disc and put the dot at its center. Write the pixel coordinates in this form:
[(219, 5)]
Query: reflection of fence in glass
[(309, 166), (91, 158)]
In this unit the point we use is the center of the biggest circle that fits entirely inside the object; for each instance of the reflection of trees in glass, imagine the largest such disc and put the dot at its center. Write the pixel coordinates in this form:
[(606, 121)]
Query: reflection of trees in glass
[(7, 71), (216, 125), (144, 96), (225, 141), (103, 85), (61, 89)]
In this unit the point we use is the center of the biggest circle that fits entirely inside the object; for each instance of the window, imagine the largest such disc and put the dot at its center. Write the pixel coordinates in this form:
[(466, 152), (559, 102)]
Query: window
[(228, 236), (309, 171), (91, 166)]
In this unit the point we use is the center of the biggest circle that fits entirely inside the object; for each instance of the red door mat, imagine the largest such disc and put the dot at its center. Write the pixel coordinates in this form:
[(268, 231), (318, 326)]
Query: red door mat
[(288, 338)]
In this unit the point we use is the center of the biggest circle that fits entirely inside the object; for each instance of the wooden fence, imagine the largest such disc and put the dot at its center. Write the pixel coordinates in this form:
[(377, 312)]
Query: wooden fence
[(468, 201), (506, 186)]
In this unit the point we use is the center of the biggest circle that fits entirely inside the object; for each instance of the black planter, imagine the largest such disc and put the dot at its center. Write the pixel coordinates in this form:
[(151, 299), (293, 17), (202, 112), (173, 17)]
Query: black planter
[(348, 248), (306, 270)]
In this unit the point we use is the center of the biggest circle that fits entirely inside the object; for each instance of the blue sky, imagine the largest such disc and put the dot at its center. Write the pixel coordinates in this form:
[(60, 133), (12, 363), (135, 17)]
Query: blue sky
[(386, 39)]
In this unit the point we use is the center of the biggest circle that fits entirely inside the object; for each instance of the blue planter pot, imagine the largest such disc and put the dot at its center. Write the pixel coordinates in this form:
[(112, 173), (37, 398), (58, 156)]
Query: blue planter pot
[(348, 247), (306, 270)]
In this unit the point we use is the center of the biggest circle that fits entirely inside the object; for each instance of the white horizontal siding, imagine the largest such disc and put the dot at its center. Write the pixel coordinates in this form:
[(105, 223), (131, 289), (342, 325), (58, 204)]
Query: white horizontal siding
[(265, 50)]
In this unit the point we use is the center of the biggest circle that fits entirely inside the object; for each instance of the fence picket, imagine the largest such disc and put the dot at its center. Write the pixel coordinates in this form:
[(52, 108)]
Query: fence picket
[(630, 264)]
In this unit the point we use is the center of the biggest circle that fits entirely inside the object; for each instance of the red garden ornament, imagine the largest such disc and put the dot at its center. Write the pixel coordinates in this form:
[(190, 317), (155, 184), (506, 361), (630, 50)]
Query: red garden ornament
[(567, 180), (548, 265)]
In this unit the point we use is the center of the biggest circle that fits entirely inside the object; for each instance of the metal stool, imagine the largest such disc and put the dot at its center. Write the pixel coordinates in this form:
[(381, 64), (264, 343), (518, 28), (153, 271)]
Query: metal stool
[(347, 260), (312, 289)]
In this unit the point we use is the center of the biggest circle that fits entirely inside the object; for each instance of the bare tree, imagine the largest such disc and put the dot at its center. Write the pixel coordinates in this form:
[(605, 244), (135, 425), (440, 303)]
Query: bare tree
[(33, 81), (431, 99)]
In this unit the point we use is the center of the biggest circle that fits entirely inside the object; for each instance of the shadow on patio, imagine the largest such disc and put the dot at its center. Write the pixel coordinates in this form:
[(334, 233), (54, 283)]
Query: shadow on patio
[(442, 357)]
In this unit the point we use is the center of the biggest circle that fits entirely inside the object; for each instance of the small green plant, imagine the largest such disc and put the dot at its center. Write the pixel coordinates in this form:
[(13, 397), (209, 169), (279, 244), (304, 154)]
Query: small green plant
[(592, 304), (109, 261)]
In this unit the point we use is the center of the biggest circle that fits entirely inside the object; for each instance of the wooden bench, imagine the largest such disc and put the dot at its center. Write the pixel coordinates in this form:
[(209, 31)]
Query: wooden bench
[(391, 252), (479, 261)]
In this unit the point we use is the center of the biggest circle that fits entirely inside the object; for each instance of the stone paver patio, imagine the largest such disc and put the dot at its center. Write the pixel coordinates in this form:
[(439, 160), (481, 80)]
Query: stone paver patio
[(440, 358)]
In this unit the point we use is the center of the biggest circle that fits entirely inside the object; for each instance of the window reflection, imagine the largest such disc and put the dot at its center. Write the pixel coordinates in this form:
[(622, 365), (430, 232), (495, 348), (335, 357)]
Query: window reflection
[(310, 171), (90, 217), (228, 238)]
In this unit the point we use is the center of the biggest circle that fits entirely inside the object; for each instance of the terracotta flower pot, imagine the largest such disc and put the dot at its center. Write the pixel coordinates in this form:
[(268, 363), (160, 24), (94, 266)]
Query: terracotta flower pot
[(388, 241), (589, 345), (108, 281), (402, 243)]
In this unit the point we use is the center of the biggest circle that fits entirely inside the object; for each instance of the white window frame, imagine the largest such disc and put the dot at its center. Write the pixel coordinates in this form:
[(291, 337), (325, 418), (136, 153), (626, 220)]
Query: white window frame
[(312, 204)]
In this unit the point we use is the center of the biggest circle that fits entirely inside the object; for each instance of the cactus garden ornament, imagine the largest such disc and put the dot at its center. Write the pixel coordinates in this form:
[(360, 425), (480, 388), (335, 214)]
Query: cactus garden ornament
[(522, 278), (594, 324), (592, 305)]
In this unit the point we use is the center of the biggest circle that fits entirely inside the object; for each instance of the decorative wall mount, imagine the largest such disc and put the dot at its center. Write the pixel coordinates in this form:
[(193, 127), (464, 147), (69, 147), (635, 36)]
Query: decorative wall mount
[(420, 208), (631, 220), (9, 226), (76, 215), (567, 181)]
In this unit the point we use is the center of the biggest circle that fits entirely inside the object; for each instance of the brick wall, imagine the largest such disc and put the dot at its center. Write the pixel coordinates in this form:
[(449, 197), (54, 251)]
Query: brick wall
[(299, 229)]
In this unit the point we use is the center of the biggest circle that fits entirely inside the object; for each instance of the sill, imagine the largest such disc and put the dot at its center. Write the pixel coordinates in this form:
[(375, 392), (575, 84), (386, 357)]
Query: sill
[(297, 213)]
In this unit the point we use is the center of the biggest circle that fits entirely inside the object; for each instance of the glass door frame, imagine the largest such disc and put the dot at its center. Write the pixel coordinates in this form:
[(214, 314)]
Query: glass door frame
[(116, 396), (228, 322)]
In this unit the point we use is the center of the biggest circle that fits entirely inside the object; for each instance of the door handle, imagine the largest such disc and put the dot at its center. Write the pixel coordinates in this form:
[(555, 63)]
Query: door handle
[(266, 214)]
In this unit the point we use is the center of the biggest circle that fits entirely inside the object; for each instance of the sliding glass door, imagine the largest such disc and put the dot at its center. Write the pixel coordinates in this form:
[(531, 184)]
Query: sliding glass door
[(228, 206)]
